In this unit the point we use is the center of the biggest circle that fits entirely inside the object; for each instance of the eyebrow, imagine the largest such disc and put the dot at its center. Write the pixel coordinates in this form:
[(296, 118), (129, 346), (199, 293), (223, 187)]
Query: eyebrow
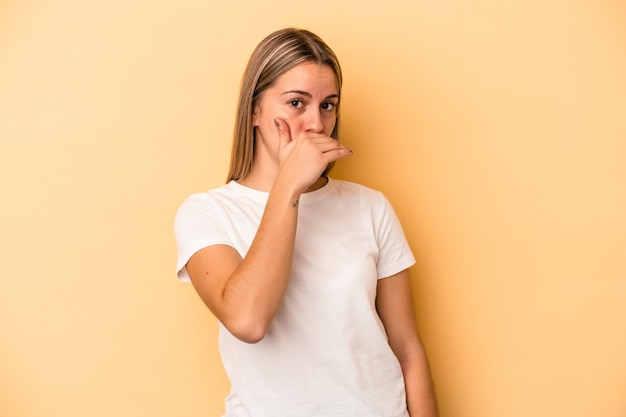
[(307, 94)]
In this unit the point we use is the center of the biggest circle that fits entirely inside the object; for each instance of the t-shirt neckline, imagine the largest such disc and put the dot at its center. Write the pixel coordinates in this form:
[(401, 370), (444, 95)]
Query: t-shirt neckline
[(309, 197)]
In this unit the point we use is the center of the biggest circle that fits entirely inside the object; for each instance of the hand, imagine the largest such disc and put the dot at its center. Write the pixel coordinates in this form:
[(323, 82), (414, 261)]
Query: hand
[(303, 158)]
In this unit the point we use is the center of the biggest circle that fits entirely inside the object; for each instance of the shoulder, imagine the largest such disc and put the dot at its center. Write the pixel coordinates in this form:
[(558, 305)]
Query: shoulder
[(231, 191), (361, 198), (199, 199), (359, 192), (206, 201), (354, 188)]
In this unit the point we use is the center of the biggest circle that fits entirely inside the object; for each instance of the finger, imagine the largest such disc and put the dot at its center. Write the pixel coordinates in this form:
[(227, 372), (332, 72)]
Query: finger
[(336, 154), (284, 134), (330, 145)]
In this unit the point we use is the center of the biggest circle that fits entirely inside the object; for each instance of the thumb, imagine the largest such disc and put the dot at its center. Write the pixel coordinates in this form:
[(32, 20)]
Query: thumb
[(284, 135)]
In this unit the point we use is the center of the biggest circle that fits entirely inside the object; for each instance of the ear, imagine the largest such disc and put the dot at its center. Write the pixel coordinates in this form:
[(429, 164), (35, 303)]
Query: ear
[(255, 116)]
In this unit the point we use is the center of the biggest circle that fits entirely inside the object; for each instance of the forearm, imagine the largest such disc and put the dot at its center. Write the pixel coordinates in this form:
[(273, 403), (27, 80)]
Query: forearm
[(254, 291), (420, 394)]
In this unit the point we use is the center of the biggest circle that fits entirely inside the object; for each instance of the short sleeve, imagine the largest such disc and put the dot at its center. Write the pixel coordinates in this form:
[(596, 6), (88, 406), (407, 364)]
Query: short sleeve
[(197, 224), (394, 255)]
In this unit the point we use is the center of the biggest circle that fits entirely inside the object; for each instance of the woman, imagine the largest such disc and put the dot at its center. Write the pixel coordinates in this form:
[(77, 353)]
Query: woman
[(308, 276)]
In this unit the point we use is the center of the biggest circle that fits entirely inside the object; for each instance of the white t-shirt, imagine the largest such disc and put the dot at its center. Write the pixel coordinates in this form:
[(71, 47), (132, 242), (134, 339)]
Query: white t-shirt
[(326, 352)]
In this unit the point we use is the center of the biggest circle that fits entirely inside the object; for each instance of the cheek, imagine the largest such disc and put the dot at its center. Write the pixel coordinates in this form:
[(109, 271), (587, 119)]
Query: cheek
[(329, 124), (265, 115)]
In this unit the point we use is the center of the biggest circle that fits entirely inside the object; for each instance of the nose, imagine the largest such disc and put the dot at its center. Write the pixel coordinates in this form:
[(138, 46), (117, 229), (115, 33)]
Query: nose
[(314, 122)]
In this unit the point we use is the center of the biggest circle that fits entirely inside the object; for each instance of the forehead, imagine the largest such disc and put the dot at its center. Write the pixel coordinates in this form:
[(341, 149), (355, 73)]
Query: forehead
[(308, 75)]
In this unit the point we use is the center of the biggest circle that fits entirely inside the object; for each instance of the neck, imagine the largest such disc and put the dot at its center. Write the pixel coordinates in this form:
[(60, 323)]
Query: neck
[(252, 181), (321, 181)]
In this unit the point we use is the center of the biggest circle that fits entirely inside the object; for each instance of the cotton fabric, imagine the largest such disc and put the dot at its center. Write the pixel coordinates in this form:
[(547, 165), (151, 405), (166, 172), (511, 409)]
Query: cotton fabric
[(326, 352)]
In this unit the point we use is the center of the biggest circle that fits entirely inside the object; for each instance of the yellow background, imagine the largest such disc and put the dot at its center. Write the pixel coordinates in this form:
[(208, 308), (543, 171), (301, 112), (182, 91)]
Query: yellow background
[(496, 128)]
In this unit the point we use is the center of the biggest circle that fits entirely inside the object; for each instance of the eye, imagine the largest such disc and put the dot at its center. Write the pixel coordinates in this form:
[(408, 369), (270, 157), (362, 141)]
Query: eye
[(328, 106), (297, 103)]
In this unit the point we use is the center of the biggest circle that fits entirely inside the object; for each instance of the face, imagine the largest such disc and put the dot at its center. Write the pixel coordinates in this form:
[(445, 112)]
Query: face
[(305, 97)]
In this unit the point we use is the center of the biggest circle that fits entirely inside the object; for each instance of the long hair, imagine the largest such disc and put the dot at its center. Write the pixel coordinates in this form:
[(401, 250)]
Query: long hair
[(275, 55)]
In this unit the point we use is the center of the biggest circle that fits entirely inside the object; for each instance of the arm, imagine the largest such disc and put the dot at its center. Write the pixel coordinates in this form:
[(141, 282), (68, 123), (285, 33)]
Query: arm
[(245, 294), (394, 303)]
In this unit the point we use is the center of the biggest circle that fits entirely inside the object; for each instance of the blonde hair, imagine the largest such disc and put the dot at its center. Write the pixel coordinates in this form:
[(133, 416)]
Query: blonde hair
[(275, 55)]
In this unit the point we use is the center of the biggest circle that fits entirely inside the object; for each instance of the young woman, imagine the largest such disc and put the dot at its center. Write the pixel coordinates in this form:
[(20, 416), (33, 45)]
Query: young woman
[(307, 275)]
